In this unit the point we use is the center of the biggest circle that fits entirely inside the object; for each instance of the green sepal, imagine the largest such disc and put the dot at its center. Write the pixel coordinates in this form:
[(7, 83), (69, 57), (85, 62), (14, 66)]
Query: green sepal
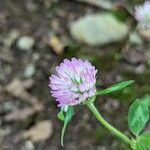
[(60, 115), (89, 100), (115, 87)]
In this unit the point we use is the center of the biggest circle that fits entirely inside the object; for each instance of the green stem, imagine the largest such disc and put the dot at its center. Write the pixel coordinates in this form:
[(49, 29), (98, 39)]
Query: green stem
[(107, 125), (62, 134)]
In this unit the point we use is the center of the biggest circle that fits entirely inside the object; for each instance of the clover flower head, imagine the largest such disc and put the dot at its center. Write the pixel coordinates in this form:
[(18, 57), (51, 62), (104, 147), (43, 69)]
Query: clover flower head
[(142, 15), (73, 82)]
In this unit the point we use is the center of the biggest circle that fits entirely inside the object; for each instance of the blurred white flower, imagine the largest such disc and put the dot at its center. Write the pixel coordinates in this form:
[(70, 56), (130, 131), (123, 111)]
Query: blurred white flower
[(142, 15)]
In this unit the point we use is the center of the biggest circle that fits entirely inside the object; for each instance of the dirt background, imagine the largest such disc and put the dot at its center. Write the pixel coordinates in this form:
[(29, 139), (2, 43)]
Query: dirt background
[(26, 105)]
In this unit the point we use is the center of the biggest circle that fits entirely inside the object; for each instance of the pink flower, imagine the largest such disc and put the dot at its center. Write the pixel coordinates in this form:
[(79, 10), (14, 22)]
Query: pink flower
[(74, 82), (142, 14)]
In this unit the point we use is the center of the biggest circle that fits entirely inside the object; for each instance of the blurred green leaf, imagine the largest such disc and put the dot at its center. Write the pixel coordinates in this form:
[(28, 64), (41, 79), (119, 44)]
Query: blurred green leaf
[(139, 146), (145, 139), (138, 116), (120, 13), (68, 116), (146, 101), (71, 50), (115, 87)]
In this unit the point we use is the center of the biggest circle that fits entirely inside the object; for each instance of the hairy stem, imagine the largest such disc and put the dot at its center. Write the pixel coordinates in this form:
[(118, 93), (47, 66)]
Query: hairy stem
[(107, 125)]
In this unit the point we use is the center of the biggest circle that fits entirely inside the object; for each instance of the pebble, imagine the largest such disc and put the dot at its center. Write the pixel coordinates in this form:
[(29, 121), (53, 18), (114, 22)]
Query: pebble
[(135, 38), (29, 71), (40, 132), (8, 106), (98, 29), (25, 42), (140, 69), (28, 146), (12, 36)]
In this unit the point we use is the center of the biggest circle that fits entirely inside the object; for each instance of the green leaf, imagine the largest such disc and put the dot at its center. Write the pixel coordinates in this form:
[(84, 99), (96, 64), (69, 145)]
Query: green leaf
[(61, 116), (138, 116), (115, 87), (68, 116), (146, 100), (145, 139), (139, 146)]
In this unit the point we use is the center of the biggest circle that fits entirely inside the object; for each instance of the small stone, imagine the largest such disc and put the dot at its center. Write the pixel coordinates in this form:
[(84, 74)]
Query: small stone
[(31, 5), (145, 33), (25, 42), (41, 131), (140, 69), (4, 132), (56, 45), (135, 38), (28, 146), (16, 88), (98, 29), (134, 56), (36, 56), (12, 36), (22, 114), (29, 71), (8, 106)]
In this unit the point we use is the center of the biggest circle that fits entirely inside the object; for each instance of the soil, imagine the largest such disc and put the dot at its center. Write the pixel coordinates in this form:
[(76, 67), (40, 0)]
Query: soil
[(115, 62)]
